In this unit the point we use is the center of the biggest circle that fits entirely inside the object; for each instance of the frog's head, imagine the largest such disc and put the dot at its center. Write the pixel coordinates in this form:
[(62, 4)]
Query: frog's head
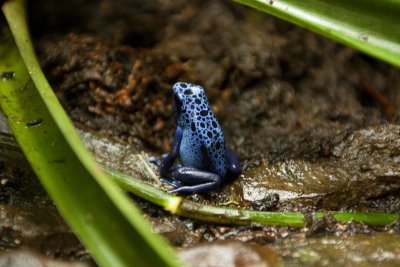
[(187, 99)]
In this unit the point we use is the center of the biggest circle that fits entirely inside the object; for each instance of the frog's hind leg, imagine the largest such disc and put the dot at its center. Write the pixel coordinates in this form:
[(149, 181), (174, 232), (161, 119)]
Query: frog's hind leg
[(194, 180)]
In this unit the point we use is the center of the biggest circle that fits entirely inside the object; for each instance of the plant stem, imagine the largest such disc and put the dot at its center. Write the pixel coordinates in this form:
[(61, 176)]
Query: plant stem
[(184, 207)]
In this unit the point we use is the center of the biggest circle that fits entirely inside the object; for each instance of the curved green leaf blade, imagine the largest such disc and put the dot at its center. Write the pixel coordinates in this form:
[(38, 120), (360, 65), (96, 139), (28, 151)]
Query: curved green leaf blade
[(104, 219), (368, 25)]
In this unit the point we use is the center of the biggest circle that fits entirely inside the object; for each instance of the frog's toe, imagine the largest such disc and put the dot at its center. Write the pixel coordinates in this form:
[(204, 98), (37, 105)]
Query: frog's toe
[(173, 183), (154, 161), (176, 190), (181, 189)]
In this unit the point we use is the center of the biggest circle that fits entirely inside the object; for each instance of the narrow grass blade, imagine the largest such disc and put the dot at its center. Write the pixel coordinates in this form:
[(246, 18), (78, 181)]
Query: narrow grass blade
[(104, 219)]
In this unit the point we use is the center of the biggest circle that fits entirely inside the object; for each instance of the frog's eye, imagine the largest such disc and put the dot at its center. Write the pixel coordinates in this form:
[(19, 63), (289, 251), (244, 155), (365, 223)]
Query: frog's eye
[(177, 104)]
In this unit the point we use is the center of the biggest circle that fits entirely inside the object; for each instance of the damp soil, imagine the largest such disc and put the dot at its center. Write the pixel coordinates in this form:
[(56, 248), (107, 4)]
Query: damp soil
[(315, 123)]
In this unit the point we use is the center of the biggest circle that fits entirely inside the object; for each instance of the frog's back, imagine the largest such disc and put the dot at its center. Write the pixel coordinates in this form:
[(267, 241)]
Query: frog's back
[(203, 145)]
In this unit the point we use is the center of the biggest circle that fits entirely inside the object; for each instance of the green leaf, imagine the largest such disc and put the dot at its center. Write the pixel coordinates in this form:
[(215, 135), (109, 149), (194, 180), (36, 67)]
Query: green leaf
[(371, 26), (104, 219)]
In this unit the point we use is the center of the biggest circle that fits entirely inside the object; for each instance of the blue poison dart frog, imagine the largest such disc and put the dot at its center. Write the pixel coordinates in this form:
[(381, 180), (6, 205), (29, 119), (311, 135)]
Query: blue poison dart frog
[(199, 142)]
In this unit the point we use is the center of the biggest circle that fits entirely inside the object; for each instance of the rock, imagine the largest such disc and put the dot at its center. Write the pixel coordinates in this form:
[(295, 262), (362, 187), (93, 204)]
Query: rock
[(365, 164), (228, 254), (27, 258)]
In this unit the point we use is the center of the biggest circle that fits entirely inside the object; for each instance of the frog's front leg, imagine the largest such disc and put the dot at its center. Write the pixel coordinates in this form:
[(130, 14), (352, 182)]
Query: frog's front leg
[(165, 166), (193, 180)]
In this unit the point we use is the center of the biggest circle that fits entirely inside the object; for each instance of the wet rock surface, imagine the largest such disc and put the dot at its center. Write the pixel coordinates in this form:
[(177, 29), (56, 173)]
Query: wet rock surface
[(361, 250), (365, 164), (28, 219)]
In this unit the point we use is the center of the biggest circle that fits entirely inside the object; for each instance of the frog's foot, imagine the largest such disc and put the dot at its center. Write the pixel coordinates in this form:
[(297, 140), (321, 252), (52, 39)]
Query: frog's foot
[(173, 183), (193, 180)]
